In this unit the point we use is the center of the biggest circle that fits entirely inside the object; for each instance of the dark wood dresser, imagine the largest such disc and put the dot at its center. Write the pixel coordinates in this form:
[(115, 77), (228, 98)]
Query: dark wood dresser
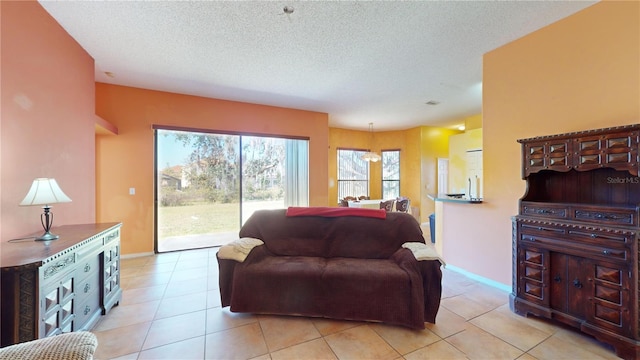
[(61, 286), (575, 239)]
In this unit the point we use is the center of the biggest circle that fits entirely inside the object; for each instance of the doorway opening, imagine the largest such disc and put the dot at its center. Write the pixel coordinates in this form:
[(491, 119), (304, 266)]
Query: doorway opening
[(208, 184)]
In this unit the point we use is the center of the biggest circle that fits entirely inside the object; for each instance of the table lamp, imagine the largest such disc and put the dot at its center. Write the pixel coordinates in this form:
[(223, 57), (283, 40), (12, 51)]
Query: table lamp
[(45, 192)]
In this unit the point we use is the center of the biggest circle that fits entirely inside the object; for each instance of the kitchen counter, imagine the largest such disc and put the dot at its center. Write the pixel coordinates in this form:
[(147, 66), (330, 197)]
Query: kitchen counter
[(454, 198)]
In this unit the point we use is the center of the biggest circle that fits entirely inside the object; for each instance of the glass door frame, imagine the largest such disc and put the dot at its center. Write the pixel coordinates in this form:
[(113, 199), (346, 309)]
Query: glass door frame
[(240, 135)]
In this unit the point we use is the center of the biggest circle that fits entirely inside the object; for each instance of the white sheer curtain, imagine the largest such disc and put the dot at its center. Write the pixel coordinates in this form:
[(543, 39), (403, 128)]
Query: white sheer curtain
[(297, 173)]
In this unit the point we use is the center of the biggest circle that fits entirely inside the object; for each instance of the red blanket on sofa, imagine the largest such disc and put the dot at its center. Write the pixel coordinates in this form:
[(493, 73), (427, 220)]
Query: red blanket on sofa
[(336, 212)]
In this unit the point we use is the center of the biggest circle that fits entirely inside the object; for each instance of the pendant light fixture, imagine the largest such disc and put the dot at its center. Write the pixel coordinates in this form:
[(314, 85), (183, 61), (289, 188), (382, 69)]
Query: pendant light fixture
[(370, 156)]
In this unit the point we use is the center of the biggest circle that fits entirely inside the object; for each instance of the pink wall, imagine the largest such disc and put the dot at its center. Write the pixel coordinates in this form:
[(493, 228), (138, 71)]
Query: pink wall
[(579, 73), (47, 118)]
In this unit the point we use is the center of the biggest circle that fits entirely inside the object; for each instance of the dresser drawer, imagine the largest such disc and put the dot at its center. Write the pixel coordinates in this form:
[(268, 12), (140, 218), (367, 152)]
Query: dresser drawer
[(542, 229), (85, 311), (547, 210), (87, 267), (617, 239), (576, 248), (88, 287), (609, 216)]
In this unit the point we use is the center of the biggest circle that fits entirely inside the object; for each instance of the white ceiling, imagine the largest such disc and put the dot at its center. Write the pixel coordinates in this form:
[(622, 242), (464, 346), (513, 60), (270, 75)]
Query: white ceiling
[(360, 62)]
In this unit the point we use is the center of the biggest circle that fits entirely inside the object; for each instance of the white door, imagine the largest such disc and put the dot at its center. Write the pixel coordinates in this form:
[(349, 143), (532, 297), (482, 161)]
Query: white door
[(443, 176)]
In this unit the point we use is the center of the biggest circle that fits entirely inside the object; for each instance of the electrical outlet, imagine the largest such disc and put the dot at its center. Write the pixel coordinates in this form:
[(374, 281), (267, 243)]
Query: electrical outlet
[(132, 191)]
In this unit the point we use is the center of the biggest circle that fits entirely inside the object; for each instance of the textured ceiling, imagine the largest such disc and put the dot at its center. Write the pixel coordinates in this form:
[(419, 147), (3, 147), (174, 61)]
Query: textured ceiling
[(360, 62)]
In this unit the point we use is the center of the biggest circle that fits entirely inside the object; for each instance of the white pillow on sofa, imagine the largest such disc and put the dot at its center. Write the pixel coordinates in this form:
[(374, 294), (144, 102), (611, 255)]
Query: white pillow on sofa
[(238, 250)]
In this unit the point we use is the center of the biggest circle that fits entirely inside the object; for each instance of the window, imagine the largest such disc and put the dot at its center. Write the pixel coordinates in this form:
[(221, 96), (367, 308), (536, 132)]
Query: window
[(353, 173), (390, 174), (208, 184)]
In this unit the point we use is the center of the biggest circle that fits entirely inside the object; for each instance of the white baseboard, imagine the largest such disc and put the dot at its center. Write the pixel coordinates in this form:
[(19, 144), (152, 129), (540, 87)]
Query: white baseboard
[(479, 278)]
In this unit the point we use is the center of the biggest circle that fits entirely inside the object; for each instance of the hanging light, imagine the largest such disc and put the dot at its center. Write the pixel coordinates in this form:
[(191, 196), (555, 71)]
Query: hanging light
[(370, 155)]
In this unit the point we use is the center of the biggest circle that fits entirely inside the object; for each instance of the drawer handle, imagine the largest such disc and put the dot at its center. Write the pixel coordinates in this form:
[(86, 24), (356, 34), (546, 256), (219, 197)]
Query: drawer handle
[(577, 283), (593, 236), (87, 309), (608, 216), (87, 267), (87, 287), (557, 278), (544, 211)]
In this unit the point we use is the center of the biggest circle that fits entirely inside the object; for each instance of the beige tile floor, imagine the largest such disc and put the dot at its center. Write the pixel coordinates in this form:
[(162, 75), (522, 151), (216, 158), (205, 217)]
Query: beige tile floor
[(171, 310)]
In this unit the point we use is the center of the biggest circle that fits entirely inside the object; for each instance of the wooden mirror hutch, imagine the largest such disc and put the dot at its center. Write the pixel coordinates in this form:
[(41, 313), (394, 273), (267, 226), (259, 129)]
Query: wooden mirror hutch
[(575, 239)]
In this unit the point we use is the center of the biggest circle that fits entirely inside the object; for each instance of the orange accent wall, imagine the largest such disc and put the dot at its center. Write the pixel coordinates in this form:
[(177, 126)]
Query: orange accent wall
[(46, 117), (127, 159), (384, 140), (419, 149), (579, 73)]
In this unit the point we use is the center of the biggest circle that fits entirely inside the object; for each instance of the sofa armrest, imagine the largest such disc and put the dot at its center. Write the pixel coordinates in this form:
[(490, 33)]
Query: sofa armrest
[(69, 346), (430, 278), (422, 251), (238, 249), (226, 269), (432, 286), (227, 266)]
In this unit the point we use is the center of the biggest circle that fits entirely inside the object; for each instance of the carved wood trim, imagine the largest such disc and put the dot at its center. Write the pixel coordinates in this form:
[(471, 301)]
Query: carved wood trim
[(514, 257), (579, 226), (27, 304), (583, 133)]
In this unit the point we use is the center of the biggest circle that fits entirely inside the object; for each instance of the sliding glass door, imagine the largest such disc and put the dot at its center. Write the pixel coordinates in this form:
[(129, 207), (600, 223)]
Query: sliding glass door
[(208, 184)]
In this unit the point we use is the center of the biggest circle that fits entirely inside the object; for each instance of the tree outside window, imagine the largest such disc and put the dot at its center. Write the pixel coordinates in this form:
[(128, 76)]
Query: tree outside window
[(353, 173), (390, 174)]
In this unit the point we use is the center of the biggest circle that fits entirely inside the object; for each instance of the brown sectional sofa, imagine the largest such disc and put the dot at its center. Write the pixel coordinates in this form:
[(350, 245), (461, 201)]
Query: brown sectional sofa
[(341, 266)]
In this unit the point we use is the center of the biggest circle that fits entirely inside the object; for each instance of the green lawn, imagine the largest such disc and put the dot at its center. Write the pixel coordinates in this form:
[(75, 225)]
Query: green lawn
[(200, 218)]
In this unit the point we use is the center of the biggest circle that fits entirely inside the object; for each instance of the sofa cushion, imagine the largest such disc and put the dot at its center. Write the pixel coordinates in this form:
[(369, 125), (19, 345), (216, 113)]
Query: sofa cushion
[(296, 279), (344, 288), (380, 285), (316, 236)]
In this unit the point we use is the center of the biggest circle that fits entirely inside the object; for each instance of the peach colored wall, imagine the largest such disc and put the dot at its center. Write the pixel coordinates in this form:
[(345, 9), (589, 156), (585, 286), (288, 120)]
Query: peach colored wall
[(579, 73), (126, 160), (47, 112)]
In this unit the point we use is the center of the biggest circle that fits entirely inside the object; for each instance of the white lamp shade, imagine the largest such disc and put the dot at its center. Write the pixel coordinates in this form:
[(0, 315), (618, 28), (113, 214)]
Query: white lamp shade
[(371, 156), (44, 191)]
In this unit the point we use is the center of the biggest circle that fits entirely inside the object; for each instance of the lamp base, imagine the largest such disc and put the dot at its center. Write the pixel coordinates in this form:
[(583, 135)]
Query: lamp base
[(47, 236)]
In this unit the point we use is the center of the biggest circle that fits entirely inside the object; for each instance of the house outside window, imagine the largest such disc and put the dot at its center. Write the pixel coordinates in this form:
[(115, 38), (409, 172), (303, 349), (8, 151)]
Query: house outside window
[(353, 173), (390, 174)]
